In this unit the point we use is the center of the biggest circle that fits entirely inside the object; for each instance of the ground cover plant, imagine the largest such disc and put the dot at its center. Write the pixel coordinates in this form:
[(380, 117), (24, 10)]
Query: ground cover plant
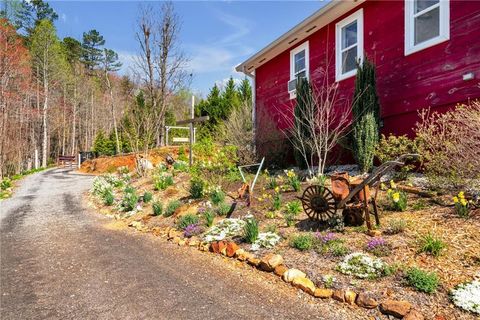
[(421, 280)]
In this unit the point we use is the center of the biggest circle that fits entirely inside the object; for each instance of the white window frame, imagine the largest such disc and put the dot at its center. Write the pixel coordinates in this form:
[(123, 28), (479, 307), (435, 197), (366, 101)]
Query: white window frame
[(444, 20), (293, 52), (358, 16)]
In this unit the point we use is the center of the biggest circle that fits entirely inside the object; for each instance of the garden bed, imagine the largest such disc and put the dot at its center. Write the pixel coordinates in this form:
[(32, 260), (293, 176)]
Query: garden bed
[(450, 254)]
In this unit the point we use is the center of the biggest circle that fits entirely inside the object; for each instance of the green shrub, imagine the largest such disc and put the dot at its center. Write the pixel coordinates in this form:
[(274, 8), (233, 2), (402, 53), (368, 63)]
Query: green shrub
[(223, 209), (217, 196), (171, 208), (302, 242), (157, 207), (181, 154), (397, 200), (147, 197), (432, 245), (129, 200), (396, 226), (338, 249), (197, 187), (421, 280), (250, 230), (209, 216), (162, 181), (108, 197), (187, 220), (391, 147), (5, 184), (181, 166)]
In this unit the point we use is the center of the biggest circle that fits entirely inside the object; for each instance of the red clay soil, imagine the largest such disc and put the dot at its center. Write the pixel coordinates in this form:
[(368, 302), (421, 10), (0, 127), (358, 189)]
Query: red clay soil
[(103, 165)]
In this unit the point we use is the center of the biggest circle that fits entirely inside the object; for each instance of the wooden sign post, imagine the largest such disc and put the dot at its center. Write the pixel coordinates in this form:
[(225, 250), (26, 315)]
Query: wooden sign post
[(191, 121)]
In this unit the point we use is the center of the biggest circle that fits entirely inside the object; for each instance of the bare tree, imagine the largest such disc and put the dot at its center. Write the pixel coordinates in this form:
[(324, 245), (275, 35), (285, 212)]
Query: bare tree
[(316, 129), (161, 64)]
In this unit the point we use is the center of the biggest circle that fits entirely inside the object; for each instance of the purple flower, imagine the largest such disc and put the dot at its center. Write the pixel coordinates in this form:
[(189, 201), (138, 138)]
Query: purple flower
[(326, 238), (376, 243), (192, 230), (201, 210)]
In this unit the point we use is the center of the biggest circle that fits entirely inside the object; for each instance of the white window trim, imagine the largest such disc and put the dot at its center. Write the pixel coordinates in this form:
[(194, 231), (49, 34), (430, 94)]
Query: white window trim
[(444, 35), (358, 15), (293, 52)]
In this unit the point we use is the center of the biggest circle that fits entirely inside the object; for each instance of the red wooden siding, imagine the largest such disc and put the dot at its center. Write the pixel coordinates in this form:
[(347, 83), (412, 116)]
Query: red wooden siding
[(428, 78)]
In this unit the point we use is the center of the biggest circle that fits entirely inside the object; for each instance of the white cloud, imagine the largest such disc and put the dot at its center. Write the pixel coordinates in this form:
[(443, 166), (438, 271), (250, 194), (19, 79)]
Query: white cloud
[(128, 61), (63, 17), (223, 83)]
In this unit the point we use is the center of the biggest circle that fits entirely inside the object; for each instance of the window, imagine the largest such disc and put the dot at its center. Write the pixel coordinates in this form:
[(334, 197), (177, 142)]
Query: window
[(348, 45), (298, 66), (426, 24)]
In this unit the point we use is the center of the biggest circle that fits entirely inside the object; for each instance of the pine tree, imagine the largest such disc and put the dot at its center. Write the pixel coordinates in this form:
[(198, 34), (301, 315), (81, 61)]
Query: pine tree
[(366, 116), (230, 97), (92, 53), (245, 92)]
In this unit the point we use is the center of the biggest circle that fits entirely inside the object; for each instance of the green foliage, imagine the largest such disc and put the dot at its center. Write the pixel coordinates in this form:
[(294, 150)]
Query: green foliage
[(103, 145), (292, 209), (270, 215), (250, 230), (302, 242), (396, 226), (108, 197), (91, 49), (181, 166), (293, 180), (338, 249), (432, 245), (276, 199), (171, 208), (182, 156), (397, 200), (5, 184), (421, 280), (271, 228), (217, 196), (304, 98), (391, 147), (186, 220), (197, 186), (209, 216), (129, 200), (162, 181), (157, 207), (223, 209), (147, 197), (366, 115)]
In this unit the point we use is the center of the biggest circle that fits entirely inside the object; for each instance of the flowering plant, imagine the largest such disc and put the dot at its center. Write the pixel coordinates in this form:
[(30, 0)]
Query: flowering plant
[(293, 179), (362, 266), (225, 228), (461, 205), (192, 230), (276, 199), (266, 240), (327, 238), (378, 246), (467, 296), (397, 198)]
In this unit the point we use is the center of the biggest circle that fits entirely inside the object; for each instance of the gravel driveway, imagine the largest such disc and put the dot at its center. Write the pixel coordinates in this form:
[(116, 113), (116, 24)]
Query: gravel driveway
[(59, 260)]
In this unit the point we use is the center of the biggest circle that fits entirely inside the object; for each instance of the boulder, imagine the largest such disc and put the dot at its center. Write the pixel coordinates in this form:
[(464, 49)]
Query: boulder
[(374, 233), (350, 297), (253, 261), (280, 270), (366, 300), (176, 240), (339, 295), (232, 247), (291, 274), (193, 242), (305, 284), (214, 247), (414, 315), (182, 242), (172, 233), (270, 261), (395, 308), (323, 293), (222, 247)]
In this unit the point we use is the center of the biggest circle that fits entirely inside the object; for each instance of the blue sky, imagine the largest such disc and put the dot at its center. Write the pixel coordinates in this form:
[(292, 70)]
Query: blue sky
[(216, 35)]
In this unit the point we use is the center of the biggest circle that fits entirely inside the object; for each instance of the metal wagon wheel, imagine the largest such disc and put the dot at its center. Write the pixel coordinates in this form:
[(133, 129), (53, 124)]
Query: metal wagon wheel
[(319, 203)]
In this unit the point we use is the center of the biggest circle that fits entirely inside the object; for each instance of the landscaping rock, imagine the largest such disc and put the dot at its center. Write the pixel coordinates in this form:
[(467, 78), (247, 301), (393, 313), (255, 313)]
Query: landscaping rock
[(204, 246), (193, 242), (395, 308), (339, 295), (222, 247), (232, 247), (350, 297), (414, 315), (172, 233), (323, 293), (239, 252), (176, 240), (182, 242), (291, 274), (270, 261), (374, 233), (366, 300), (253, 261), (280, 270), (305, 284)]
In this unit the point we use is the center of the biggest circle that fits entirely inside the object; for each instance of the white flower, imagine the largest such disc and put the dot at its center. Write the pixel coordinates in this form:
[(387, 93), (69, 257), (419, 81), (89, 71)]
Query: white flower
[(266, 240), (467, 296), (361, 265)]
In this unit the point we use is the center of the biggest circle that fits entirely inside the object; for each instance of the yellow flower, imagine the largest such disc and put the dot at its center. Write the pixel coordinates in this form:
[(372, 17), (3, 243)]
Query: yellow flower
[(389, 191), (396, 197), (290, 174), (463, 202), (277, 189), (383, 186), (455, 199), (392, 184), (461, 195)]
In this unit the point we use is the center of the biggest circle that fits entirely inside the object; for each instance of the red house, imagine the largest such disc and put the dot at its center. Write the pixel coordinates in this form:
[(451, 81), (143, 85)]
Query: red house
[(426, 52)]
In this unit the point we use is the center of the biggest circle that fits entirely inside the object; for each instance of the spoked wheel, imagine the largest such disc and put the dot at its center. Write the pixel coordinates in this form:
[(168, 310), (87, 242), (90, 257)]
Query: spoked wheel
[(319, 203)]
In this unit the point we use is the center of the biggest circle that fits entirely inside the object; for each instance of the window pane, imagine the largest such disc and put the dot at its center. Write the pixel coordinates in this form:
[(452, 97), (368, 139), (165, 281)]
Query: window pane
[(424, 4), (349, 35), (301, 74), (427, 26), (349, 58), (300, 61)]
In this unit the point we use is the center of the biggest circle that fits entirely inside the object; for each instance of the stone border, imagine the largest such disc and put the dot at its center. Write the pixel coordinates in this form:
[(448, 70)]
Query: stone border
[(297, 278)]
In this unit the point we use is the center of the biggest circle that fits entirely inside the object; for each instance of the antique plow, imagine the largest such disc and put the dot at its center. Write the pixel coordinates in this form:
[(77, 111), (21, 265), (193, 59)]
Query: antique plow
[(347, 198)]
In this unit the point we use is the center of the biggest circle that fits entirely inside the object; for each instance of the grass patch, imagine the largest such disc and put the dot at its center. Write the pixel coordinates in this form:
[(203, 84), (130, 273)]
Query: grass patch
[(432, 245), (421, 280)]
